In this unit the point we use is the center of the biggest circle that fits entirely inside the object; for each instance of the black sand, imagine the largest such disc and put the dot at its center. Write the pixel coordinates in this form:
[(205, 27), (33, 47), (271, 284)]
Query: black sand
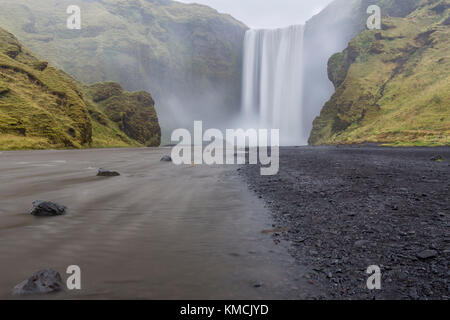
[(342, 209)]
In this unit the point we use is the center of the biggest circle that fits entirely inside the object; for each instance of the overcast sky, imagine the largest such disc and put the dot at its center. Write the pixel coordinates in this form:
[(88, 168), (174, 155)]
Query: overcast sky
[(267, 13)]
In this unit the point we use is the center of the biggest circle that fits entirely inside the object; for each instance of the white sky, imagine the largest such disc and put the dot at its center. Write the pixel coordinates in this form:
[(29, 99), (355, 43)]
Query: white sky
[(267, 13)]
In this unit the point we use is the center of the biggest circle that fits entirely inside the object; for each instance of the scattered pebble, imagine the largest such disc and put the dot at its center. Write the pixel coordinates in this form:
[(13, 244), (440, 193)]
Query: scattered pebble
[(388, 217), (427, 254), (437, 158)]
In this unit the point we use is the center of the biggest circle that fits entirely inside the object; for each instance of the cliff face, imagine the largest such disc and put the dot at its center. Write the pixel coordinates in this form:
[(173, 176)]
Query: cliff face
[(329, 32), (187, 56), (42, 107), (392, 85), (134, 113), (325, 34)]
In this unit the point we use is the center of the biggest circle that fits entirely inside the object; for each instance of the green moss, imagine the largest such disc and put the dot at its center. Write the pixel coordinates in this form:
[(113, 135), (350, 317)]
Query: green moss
[(42, 107), (133, 113), (396, 88), (166, 47)]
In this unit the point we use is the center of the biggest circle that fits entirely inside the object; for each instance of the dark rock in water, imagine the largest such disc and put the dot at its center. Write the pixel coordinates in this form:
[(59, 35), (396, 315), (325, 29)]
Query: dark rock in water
[(166, 158), (437, 158), (47, 209), (427, 254), (107, 173), (41, 282)]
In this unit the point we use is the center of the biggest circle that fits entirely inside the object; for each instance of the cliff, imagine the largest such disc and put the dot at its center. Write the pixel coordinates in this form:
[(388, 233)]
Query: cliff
[(187, 55), (329, 32), (42, 107), (392, 86)]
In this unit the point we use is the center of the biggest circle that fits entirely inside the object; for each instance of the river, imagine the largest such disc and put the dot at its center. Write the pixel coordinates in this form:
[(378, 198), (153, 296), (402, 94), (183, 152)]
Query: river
[(158, 231)]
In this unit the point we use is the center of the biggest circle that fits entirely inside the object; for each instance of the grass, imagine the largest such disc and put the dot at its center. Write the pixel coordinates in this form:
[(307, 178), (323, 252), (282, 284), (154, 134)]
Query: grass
[(397, 91), (12, 142), (153, 45), (42, 107)]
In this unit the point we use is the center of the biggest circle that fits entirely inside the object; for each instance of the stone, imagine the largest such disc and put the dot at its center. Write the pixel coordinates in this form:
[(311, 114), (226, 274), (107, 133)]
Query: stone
[(437, 158), (107, 173), (402, 276), (361, 243), (41, 282), (166, 158), (47, 209), (413, 294), (427, 254)]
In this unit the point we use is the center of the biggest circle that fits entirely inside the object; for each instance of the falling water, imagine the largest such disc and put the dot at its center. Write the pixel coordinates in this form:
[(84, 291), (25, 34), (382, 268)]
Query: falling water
[(272, 81)]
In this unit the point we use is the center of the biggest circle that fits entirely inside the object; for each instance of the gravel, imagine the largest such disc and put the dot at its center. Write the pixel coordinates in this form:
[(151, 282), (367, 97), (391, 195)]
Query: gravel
[(343, 209)]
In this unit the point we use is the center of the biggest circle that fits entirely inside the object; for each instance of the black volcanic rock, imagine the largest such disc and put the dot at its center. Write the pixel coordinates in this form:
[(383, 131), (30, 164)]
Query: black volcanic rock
[(47, 209), (427, 254), (359, 228), (166, 158), (41, 282), (107, 173), (437, 158)]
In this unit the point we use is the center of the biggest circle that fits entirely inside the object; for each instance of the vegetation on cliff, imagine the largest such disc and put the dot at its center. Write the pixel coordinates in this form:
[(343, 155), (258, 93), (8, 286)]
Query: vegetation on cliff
[(181, 53), (133, 113), (42, 107), (392, 85)]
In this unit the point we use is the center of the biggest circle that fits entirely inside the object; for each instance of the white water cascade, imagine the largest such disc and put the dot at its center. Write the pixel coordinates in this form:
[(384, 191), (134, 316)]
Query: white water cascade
[(273, 81)]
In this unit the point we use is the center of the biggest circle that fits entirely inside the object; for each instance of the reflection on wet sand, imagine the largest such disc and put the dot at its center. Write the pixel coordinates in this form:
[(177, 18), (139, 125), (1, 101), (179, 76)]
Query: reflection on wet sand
[(157, 231)]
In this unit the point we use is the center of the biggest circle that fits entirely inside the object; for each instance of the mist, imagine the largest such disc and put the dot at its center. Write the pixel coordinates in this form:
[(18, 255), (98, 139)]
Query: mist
[(325, 33), (267, 14), (285, 73)]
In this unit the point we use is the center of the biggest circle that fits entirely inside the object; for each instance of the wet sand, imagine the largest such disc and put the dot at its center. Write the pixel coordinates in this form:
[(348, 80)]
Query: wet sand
[(158, 231)]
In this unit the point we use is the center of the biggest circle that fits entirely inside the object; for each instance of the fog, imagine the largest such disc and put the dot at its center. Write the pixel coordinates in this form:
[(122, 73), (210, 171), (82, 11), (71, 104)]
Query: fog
[(267, 13), (182, 89), (325, 34)]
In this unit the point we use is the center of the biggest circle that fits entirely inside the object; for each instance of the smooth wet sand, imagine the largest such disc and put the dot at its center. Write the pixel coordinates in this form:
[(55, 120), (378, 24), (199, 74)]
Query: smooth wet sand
[(158, 231)]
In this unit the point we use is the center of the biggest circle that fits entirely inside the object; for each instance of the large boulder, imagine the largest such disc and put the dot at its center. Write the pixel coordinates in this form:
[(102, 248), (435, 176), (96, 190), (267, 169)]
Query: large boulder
[(47, 209), (41, 282)]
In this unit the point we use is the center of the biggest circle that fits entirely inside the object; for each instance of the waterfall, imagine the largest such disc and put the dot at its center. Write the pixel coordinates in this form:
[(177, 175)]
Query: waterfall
[(272, 81)]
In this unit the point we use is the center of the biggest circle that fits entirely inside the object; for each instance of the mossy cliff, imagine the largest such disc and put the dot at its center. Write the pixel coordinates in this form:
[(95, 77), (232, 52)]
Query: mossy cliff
[(187, 55), (329, 32), (134, 113), (392, 85), (42, 107)]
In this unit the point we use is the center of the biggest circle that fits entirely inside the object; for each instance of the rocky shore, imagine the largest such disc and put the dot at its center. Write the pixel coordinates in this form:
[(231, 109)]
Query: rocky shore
[(343, 209)]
